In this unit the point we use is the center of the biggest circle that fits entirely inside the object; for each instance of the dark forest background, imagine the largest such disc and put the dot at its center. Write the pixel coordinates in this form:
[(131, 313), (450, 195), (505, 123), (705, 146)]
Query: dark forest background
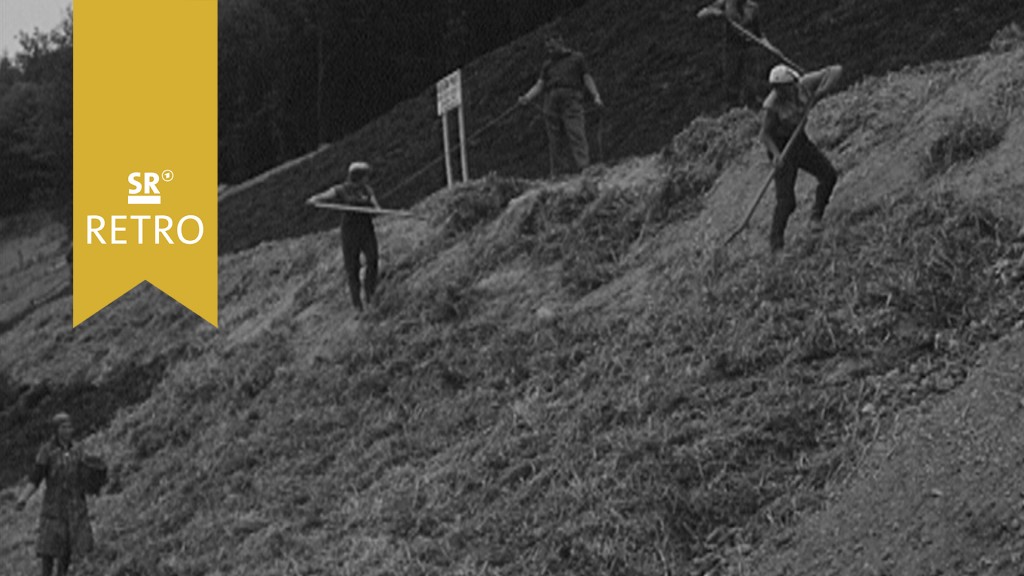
[(293, 75), (300, 73)]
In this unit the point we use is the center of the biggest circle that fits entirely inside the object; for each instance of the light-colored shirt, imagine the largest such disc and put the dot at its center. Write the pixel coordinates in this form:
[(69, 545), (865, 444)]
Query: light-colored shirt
[(781, 117)]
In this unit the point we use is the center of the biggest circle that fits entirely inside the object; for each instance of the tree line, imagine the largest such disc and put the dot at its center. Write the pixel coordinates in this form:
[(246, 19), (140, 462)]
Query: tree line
[(36, 105), (297, 74), (292, 76)]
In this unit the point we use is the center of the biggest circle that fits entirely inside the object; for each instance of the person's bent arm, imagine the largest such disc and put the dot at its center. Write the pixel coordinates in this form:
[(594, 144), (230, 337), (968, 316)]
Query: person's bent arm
[(325, 196), (831, 81), (34, 479), (710, 11), (822, 82), (373, 197), (588, 81), (26, 493), (532, 93)]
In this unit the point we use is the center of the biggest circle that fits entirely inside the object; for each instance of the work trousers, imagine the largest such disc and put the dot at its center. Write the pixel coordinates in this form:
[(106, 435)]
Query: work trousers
[(803, 156), (358, 237), (566, 127)]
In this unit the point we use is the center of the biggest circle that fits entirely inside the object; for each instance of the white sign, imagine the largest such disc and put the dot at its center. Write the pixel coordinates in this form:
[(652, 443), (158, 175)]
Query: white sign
[(449, 92)]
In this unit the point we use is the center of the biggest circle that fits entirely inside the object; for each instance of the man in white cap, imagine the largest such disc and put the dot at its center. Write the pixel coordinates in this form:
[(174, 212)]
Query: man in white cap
[(357, 233), (792, 95)]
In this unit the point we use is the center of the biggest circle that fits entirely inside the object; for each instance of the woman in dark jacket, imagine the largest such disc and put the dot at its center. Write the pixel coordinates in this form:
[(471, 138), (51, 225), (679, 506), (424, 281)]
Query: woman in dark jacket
[(64, 530)]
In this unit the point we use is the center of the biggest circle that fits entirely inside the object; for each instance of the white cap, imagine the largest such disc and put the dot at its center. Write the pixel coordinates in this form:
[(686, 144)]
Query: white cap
[(358, 167), (782, 74)]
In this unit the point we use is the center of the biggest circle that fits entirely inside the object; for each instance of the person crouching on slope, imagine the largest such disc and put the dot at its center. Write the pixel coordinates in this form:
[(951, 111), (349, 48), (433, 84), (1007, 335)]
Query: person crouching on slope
[(791, 96), (357, 233)]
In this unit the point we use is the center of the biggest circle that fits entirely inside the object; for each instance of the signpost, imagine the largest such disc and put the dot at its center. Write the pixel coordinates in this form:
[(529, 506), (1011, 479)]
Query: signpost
[(449, 96)]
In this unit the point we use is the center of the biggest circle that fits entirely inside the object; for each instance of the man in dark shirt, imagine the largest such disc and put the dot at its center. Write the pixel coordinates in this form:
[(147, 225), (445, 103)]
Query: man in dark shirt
[(357, 233), (563, 79), (791, 97)]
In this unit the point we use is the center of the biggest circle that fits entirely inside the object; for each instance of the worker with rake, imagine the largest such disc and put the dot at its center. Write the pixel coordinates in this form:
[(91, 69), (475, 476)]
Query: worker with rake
[(785, 114), (358, 236), (563, 79), (740, 63)]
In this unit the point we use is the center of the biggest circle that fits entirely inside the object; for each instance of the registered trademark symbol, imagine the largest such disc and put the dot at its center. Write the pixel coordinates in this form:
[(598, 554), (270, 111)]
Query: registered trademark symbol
[(167, 175)]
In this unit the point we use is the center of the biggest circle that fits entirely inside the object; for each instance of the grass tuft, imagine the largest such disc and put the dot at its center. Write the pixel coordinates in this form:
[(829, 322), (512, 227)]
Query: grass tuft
[(471, 205), (599, 238), (1007, 38), (968, 136)]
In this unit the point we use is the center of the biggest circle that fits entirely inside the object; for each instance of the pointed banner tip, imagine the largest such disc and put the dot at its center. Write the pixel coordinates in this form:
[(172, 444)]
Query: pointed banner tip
[(145, 153), (201, 303)]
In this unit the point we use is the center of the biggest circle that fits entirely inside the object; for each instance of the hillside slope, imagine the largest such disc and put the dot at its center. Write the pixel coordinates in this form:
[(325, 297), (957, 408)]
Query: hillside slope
[(939, 493), (657, 68), (573, 376)]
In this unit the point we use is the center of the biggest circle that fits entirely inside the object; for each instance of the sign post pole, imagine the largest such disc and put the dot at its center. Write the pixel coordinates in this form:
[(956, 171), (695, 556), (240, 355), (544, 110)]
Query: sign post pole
[(462, 145), (447, 149), (449, 96)]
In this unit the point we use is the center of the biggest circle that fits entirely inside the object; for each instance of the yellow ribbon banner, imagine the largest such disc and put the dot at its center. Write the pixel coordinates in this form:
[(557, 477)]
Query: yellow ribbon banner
[(145, 133)]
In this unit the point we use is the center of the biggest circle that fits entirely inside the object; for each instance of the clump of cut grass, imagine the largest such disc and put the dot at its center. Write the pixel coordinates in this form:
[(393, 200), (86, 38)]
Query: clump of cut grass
[(951, 245), (591, 230), (696, 158), (551, 214), (716, 141), (677, 197), (558, 208), (472, 205), (968, 136), (1009, 37), (894, 277), (599, 238), (447, 303)]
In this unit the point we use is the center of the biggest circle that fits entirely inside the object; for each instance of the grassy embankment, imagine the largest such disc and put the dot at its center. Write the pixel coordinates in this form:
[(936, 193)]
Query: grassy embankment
[(571, 376), (563, 376)]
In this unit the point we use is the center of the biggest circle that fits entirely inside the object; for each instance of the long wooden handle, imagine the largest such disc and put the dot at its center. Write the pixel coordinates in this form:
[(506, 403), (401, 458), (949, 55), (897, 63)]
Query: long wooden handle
[(762, 43), (768, 180), (367, 210)]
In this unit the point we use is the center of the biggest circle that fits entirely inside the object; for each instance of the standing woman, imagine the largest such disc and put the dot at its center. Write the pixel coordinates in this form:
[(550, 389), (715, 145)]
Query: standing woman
[(64, 531)]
